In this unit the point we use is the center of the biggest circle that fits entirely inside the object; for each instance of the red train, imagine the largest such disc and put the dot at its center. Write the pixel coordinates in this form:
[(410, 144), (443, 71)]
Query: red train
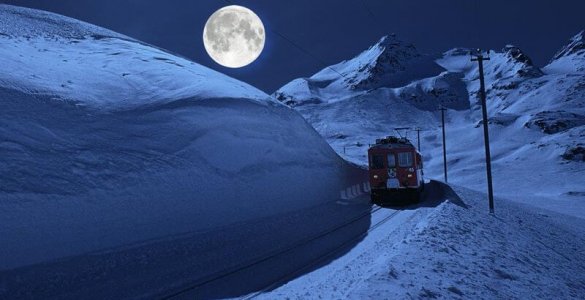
[(396, 171)]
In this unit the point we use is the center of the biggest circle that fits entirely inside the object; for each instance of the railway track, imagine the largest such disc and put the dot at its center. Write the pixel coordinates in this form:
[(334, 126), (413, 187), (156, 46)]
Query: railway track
[(291, 275), (280, 252)]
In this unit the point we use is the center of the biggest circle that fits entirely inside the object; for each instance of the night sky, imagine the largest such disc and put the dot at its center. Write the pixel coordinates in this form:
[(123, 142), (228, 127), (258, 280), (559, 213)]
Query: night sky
[(331, 31)]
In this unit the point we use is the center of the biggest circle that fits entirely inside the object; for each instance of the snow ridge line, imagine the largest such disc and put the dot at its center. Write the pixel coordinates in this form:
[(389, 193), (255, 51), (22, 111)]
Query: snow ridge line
[(226, 273)]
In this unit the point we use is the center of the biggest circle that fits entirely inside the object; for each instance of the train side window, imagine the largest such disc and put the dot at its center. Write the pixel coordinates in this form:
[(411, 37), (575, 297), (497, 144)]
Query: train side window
[(405, 159), (376, 162), (391, 160)]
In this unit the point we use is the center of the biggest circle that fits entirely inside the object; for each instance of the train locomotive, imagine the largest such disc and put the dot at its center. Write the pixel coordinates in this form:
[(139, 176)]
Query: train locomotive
[(395, 171)]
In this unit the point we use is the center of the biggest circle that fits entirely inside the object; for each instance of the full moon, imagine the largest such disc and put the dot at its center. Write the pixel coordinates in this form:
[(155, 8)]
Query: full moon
[(234, 36)]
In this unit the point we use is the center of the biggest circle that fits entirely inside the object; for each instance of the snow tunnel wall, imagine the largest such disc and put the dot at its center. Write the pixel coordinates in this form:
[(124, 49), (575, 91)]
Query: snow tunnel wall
[(74, 180)]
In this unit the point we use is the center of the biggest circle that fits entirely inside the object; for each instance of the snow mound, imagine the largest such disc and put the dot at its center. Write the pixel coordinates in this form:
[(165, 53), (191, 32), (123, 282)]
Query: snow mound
[(465, 252), (106, 141), (20, 22), (44, 53), (457, 250)]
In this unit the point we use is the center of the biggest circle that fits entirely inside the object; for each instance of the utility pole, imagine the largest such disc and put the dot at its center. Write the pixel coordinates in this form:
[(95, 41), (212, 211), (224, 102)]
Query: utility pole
[(418, 137), (443, 109), (480, 58)]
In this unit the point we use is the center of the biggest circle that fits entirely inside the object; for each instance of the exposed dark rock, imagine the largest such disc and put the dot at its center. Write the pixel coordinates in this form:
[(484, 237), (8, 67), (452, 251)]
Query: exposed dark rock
[(576, 153), (499, 119), (551, 122), (516, 55)]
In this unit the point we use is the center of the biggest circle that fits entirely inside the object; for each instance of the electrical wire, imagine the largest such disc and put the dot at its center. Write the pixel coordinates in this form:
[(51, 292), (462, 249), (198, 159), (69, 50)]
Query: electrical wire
[(299, 47)]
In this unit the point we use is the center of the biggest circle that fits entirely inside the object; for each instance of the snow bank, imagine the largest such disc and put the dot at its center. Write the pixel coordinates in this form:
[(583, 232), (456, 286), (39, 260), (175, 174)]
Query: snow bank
[(106, 141), (458, 250)]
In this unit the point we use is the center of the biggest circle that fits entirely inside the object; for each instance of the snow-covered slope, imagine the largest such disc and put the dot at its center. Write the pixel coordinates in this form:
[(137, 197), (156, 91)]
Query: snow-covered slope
[(457, 251), (537, 115), (571, 58), (389, 63), (43, 53), (106, 141)]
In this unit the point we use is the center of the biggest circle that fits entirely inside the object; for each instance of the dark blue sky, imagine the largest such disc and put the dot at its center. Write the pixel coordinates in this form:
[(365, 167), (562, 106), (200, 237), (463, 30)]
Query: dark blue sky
[(335, 30)]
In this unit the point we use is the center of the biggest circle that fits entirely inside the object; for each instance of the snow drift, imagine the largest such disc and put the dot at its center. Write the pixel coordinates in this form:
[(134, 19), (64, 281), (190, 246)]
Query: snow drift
[(457, 251), (107, 141)]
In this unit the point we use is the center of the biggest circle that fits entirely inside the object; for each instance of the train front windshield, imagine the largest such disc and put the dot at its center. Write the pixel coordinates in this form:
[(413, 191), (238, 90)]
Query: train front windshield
[(376, 162), (405, 159)]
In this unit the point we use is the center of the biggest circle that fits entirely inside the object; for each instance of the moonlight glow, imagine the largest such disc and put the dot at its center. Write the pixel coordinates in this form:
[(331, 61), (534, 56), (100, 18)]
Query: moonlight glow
[(234, 36)]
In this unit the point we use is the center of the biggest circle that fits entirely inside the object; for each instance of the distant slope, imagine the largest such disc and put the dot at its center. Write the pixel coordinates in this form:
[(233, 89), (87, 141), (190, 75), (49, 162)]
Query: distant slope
[(537, 115), (389, 85), (107, 141)]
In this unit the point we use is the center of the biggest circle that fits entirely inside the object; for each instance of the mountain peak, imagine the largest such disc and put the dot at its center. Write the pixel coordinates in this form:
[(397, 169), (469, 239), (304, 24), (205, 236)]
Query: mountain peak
[(390, 42), (575, 46), (516, 55), (391, 46), (374, 66), (389, 63)]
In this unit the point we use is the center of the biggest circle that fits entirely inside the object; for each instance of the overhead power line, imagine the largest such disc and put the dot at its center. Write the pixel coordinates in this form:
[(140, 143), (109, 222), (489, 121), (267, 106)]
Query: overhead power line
[(296, 45)]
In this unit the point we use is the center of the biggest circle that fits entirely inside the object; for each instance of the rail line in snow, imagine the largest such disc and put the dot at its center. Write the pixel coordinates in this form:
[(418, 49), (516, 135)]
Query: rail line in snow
[(277, 253), (323, 257)]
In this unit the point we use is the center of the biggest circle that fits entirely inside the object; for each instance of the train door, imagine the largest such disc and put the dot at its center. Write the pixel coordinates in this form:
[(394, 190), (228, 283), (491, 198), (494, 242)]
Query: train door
[(392, 182)]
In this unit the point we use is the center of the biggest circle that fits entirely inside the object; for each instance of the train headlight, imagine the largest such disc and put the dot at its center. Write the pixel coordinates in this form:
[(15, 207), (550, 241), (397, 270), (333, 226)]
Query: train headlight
[(409, 175), (375, 176)]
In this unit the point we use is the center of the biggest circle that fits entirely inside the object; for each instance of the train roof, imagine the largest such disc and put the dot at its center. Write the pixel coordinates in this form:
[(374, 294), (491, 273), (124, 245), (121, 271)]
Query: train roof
[(392, 142)]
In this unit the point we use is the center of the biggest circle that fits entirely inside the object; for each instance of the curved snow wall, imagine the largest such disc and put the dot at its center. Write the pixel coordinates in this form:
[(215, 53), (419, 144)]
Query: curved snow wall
[(73, 179)]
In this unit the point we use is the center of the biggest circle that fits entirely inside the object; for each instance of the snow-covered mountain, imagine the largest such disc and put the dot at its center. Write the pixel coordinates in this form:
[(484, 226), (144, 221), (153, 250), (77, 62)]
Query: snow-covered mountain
[(537, 115), (571, 58), (107, 141), (389, 63)]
